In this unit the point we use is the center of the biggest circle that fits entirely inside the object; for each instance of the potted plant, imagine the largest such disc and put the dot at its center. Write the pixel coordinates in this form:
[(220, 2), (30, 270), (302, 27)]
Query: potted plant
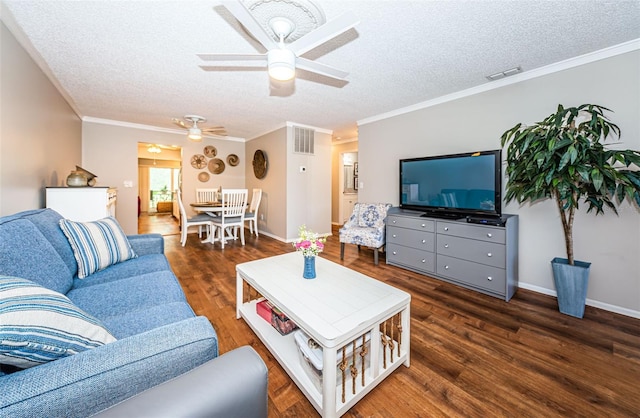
[(564, 158)]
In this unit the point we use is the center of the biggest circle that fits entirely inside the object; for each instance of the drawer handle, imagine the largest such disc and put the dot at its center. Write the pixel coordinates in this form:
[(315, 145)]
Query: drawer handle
[(394, 235), (424, 261), (423, 225), (395, 253), (446, 245), (489, 234), (446, 267), (446, 228), (490, 278), (394, 221), (489, 254), (424, 241)]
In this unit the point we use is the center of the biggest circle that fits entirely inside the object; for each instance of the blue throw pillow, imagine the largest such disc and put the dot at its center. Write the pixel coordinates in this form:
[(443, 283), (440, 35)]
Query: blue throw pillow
[(97, 245), (38, 325)]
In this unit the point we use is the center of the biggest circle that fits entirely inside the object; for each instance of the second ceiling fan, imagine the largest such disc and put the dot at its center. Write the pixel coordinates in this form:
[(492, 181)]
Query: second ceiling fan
[(194, 131), (283, 57)]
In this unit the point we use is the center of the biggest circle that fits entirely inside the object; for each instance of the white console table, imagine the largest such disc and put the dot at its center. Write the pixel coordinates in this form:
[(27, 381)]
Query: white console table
[(82, 203)]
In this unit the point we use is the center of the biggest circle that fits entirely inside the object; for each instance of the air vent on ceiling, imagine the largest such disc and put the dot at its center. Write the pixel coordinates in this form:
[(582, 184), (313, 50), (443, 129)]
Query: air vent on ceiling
[(505, 73), (303, 140)]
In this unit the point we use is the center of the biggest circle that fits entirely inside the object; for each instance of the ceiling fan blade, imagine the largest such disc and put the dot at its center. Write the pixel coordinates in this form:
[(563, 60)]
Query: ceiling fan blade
[(220, 133), (233, 57), (324, 33), (322, 69), (180, 123), (247, 20)]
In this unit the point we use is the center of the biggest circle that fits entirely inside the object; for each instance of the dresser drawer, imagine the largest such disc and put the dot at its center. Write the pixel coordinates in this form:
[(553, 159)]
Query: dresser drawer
[(411, 257), (411, 223), (484, 233), (486, 277), (421, 240), (478, 251)]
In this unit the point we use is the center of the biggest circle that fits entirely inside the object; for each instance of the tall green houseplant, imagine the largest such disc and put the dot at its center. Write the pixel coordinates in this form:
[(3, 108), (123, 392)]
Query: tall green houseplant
[(564, 158)]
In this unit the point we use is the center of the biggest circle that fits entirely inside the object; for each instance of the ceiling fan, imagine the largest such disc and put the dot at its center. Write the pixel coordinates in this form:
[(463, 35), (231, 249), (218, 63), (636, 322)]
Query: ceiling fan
[(195, 132), (284, 55)]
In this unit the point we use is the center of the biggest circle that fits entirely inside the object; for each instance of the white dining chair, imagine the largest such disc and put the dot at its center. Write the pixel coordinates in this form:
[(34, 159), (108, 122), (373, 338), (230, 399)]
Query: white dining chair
[(251, 216), (200, 220), (206, 195), (234, 202)]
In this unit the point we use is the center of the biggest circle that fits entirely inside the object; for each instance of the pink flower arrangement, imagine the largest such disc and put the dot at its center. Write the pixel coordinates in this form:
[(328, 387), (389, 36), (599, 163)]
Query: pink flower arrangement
[(309, 243)]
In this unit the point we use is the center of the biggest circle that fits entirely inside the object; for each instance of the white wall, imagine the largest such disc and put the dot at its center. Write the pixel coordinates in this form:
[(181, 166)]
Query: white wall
[(291, 198), (272, 210), (309, 192), (40, 134), (476, 122), (111, 152)]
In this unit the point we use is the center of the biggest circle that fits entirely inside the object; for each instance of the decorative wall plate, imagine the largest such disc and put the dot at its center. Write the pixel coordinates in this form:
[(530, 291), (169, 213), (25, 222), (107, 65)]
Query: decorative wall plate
[(210, 151), (260, 164), (198, 161), (203, 177), (233, 160), (216, 166)]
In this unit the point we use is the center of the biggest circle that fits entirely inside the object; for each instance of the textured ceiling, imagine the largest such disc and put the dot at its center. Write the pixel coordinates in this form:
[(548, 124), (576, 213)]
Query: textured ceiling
[(135, 61)]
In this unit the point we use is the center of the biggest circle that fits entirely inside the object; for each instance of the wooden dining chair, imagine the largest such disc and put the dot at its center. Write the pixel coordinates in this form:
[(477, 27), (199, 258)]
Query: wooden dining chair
[(234, 202), (200, 220), (251, 216)]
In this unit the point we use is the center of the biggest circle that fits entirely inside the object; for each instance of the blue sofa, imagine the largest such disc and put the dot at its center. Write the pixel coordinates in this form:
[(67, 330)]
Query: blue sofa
[(163, 352)]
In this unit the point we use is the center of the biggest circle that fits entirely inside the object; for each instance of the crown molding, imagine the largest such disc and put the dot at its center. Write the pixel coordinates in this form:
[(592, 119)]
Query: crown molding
[(605, 53), (344, 141)]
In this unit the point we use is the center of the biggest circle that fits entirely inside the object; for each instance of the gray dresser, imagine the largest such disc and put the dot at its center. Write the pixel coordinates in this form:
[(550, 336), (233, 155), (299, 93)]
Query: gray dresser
[(480, 257)]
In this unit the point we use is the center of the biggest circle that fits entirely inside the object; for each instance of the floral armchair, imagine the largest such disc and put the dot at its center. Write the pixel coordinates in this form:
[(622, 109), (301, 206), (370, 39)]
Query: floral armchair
[(366, 226)]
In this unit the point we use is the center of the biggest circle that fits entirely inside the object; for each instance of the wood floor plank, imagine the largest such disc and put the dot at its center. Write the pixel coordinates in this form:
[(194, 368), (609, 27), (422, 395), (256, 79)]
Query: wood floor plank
[(472, 355)]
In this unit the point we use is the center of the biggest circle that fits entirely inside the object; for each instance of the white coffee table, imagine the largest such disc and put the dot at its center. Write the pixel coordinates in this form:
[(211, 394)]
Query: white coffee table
[(337, 307)]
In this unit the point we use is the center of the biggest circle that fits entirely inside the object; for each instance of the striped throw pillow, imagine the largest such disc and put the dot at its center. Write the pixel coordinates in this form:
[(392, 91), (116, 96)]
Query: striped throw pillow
[(97, 245), (38, 325)]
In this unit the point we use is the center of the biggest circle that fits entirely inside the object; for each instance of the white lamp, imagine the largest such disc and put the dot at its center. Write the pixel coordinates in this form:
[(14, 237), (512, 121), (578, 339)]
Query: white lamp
[(282, 64), (195, 134)]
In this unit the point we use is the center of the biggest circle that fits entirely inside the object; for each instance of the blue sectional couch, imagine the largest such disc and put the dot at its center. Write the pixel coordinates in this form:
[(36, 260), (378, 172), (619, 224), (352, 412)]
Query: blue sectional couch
[(162, 351)]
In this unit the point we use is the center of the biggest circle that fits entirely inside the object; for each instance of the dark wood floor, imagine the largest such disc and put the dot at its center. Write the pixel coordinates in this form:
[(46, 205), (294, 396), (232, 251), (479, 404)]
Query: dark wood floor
[(471, 355)]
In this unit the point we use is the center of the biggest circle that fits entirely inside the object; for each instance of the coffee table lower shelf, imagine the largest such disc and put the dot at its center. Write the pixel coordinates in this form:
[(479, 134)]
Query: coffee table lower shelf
[(284, 349)]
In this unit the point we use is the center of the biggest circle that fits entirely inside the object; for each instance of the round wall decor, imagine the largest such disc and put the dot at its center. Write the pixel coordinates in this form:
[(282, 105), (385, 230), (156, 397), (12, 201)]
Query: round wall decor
[(203, 177), (210, 151), (198, 161), (216, 166), (233, 160), (260, 164)]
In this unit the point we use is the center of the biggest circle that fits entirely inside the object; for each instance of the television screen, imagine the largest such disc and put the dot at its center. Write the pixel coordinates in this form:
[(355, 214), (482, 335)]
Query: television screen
[(453, 185)]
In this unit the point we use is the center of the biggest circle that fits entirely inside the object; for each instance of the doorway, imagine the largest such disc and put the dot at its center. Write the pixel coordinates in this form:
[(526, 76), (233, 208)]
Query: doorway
[(159, 171), (348, 184)]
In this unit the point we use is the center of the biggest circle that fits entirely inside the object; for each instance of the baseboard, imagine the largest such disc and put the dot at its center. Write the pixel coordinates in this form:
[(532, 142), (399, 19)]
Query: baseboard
[(590, 302)]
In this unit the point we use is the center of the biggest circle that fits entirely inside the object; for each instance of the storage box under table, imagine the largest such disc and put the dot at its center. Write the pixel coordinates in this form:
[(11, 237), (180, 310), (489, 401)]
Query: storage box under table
[(281, 322), (310, 355), (264, 309)]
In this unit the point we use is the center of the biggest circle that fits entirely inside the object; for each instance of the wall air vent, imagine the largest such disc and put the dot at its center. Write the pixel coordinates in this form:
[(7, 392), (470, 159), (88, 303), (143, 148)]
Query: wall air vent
[(303, 140)]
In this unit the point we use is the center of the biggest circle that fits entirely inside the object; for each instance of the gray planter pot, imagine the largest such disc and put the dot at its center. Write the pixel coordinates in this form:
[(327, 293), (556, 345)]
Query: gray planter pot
[(571, 285)]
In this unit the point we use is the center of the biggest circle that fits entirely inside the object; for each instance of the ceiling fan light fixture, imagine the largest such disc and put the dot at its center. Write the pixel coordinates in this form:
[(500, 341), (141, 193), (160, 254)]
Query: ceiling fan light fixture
[(282, 64), (154, 149), (195, 134)]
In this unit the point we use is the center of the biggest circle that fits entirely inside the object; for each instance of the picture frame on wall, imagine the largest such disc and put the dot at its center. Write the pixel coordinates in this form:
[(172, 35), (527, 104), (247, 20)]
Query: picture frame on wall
[(355, 169)]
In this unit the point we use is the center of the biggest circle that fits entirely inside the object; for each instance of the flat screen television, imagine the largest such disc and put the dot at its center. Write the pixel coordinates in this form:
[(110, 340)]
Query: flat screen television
[(453, 186)]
